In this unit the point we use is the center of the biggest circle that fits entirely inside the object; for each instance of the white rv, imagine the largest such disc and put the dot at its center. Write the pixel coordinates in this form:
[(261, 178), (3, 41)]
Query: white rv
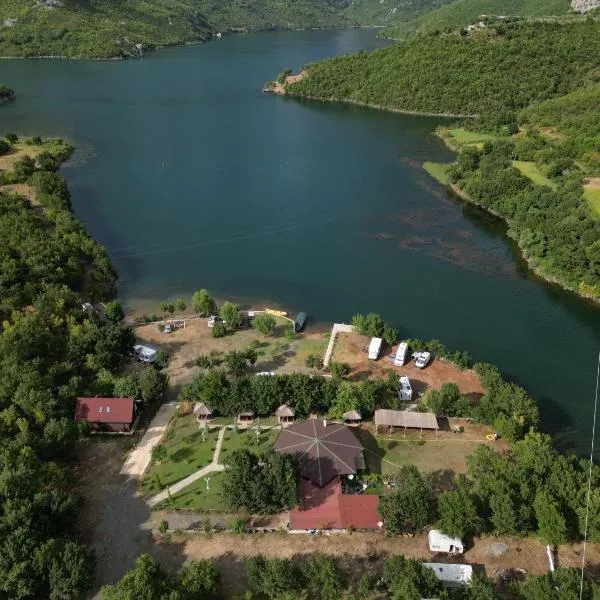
[(401, 354), (145, 354), (404, 388), (451, 575), (375, 348), (440, 542)]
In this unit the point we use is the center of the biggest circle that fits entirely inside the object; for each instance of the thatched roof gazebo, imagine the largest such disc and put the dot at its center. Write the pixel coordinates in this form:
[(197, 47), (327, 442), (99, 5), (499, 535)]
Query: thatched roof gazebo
[(202, 412), (246, 416), (285, 414), (352, 416)]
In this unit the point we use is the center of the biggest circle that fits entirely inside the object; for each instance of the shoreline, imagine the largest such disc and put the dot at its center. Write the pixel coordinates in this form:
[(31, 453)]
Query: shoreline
[(460, 193)]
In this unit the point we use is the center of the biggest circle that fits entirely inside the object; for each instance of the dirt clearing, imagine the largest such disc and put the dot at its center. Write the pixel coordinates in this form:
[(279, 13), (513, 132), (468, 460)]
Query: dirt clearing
[(275, 353), (351, 348)]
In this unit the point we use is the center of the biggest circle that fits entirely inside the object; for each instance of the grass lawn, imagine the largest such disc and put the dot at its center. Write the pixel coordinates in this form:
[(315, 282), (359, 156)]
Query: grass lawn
[(311, 345), (197, 497), (186, 453), (247, 439), (462, 137), (592, 195), (532, 171), (385, 454), (438, 171)]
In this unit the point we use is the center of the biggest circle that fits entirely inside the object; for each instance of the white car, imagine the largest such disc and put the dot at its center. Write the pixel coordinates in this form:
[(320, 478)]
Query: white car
[(265, 374), (213, 320), (423, 359)]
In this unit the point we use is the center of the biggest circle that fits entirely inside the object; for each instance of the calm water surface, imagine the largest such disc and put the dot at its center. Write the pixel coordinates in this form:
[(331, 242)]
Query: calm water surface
[(192, 178)]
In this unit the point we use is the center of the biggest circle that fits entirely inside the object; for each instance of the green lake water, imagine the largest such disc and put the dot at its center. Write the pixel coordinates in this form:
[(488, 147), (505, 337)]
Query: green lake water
[(192, 178)]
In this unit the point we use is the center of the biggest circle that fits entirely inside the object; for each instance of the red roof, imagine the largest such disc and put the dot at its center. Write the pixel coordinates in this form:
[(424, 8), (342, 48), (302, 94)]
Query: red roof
[(327, 508), (104, 410)]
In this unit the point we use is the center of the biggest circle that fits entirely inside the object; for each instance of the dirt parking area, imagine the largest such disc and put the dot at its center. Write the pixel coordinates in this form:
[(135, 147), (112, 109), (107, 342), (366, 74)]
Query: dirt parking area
[(369, 550), (19, 150), (352, 348), (276, 352)]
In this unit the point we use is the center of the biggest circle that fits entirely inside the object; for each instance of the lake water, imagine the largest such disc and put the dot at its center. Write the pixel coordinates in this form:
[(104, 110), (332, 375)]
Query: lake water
[(192, 178)]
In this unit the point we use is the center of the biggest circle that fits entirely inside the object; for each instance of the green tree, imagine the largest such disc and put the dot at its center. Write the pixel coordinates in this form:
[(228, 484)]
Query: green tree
[(276, 578), (238, 363), (11, 138), (24, 168), (411, 506), (203, 303), (347, 398), (147, 581), (479, 588), (114, 312), (458, 515), (4, 147), (265, 323), (407, 578), (552, 526), (231, 315), (390, 335), (167, 308), (180, 305), (199, 579), (339, 370), (219, 330), (153, 385), (371, 324), (325, 579), (47, 161)]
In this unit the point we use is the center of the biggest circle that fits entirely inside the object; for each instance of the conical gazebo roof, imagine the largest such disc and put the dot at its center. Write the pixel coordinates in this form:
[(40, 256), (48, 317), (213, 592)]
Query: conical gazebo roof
[(323, 450)]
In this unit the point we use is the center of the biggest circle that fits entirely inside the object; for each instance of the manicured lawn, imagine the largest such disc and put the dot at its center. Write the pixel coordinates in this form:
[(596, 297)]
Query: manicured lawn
[(385, 454), (247, 439), (438, 171), (311, 345), (197, 497), (186, 453), (592, 195), (532, 171), (462, 137)]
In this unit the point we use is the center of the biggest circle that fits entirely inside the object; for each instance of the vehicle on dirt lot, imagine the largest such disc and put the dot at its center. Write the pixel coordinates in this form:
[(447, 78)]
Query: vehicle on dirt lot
[(423, 359), (213, 320)]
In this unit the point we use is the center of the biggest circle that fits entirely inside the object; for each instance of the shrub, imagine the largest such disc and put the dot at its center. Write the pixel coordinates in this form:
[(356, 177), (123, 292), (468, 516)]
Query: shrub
[(314, 361), (265, 323), (339, 370), (219, 330), (163, 527)]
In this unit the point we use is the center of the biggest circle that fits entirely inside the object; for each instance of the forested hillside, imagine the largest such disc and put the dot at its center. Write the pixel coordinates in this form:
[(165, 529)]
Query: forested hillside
[(466, 12), (533, 85), (121, 28), (494, 70), (50, 352)]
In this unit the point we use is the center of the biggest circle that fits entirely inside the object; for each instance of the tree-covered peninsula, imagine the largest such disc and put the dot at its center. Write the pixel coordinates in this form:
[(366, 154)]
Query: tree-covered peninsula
[(532, 88)]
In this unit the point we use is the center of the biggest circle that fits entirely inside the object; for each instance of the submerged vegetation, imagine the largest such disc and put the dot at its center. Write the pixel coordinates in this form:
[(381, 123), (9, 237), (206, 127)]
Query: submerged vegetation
[(527, 156)]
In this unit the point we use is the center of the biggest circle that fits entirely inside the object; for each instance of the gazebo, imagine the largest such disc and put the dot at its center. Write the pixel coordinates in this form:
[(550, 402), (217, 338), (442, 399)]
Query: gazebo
[(203, 413), (285, 414), (352, 417), (246, 417), (323, 450)]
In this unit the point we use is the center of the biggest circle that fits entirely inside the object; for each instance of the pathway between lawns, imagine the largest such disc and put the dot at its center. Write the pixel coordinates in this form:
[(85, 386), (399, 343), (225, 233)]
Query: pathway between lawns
[(213, 467)]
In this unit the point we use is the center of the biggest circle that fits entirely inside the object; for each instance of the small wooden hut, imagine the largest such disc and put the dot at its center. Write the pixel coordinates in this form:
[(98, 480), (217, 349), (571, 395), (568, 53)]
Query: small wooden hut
[(285, 414), (352, 417), (246, 417), (203, 413)]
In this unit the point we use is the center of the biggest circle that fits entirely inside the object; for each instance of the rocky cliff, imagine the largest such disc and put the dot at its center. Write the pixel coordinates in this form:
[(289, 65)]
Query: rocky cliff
[(583, 6)]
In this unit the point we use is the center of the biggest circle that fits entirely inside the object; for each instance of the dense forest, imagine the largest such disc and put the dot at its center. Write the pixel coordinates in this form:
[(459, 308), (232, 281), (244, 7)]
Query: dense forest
[(123, 28), (51, 351), (467, 12), (499, 69)]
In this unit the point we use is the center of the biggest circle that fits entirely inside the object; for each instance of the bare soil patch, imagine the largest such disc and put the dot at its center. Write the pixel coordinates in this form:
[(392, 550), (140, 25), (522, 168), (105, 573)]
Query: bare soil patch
[(593, 183), (20, 189), (351, 348), (276, 353), (19, 150)]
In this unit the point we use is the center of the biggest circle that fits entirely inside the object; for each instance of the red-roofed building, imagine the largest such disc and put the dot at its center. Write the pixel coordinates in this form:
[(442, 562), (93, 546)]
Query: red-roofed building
[(106, 414), (328, 508)]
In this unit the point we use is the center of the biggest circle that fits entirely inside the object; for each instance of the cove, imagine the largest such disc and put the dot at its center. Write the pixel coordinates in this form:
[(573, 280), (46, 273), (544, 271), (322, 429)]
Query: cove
[(192, 178)]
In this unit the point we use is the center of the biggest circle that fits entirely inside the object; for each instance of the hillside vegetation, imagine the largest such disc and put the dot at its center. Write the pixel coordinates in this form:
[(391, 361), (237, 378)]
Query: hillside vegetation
[(487, 71), (466, 12), (121, 28)]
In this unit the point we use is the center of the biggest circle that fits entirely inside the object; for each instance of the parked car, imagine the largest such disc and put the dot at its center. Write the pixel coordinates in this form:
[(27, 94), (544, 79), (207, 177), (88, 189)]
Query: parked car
[(213, 320), (265, 374), (423, 359), (145, 353), (168, 328)]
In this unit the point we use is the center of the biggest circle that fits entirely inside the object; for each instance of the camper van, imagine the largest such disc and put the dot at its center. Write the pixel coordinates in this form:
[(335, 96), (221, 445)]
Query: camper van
[(401, 354), (404, 388), (145, 353), (375, 348), (440, 542)]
